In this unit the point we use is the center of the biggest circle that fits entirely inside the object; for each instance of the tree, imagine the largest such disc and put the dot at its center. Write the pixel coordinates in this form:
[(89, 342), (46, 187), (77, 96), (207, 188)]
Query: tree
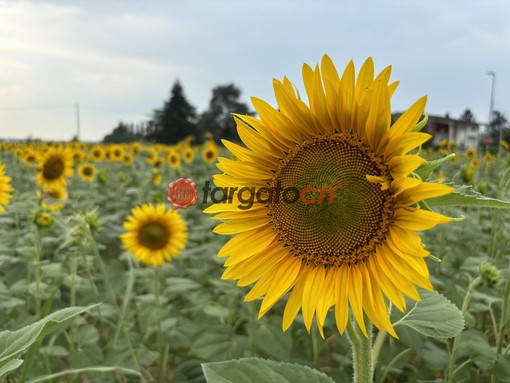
[(218, 118), (498, 123), (122, 133), (175, 121), (467, 116)]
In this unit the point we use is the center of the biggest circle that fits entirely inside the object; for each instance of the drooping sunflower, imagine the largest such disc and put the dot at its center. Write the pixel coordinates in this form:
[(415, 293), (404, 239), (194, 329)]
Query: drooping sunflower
[(54, 166), (358, 243), (154, 234), (209, 152), (87, 172), (53, 197), (5, 188)]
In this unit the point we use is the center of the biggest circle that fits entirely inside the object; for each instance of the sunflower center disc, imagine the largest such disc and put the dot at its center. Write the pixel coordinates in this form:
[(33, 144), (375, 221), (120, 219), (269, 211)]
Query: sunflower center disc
[(53, 168), (87, 171), (339, 216), (153, 235)]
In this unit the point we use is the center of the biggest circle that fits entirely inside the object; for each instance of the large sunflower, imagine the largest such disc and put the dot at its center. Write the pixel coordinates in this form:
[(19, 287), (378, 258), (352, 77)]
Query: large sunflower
[(154, 234), (336, 211), (54, 167), (5, 188)]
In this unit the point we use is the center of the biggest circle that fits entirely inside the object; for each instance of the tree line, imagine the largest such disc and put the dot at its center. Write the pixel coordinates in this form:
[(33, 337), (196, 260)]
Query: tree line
[(178, 119)]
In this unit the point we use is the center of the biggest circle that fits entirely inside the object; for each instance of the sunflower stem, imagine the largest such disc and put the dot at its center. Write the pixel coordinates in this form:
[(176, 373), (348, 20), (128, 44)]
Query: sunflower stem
[(378, 343), (37, 293), (162, 353), (361, 352), (465, 305)]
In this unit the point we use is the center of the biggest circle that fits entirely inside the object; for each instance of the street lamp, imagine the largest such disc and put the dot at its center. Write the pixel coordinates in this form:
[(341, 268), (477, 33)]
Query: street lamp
[(491, 105)]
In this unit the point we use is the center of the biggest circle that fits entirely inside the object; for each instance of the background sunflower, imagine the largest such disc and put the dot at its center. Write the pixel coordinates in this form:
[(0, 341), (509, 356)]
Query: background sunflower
[(154, 234)]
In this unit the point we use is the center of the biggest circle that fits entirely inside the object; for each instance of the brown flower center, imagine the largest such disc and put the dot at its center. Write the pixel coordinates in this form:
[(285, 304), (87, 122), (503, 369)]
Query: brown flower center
[(53, 168), (153, 235), (329, 213)]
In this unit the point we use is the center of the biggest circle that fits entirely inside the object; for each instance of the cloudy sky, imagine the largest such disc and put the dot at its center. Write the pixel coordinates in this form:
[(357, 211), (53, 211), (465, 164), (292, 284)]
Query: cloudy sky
[(119, 59)]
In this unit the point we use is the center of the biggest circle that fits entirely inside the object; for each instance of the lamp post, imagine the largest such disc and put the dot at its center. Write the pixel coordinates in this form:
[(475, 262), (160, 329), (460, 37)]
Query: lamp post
[(491, 105)]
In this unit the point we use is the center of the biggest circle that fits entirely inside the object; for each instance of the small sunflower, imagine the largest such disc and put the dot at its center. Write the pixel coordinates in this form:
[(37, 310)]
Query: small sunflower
[(505, 144), (156, 177), (97, 153), (117, 152), (87, 172), (470, 153), (360, 244), (173, 159), (210, 152), (154, 234), (5, 188), (128, 158), (54, 167), (188, 154), (30, 158)]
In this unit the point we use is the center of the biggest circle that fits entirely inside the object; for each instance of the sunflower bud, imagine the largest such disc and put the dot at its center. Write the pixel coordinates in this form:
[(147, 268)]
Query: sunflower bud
[(92, 220), (467, 173), (43, 219), (490, 274)]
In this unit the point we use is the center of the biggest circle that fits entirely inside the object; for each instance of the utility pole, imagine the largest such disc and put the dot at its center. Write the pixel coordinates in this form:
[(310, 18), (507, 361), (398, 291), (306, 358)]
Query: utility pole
[(78, 121), (491, 104)]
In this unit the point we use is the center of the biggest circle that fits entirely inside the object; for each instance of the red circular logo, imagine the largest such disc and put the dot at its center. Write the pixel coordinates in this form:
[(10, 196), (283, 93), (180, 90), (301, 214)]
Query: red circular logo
[(182, 193)]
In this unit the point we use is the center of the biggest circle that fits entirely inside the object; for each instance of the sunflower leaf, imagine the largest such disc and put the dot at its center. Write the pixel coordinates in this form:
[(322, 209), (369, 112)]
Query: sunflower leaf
[(425, 169), (466, 196), (12, 343), (434, 316), (255, 370), (420, 125)]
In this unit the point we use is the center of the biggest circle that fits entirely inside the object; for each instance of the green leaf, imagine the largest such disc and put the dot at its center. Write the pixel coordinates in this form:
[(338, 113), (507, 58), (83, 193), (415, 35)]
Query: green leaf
[(481, 352), (11, 365), (420, 125), (434, 316), (13, 343), (272, 341), (425, 169), (255, 370), (466, 196), (219, 346), (100, 369)]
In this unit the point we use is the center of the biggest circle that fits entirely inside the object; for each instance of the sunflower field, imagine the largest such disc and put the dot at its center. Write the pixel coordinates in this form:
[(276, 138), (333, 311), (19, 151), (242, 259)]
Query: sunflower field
[(405, 279)]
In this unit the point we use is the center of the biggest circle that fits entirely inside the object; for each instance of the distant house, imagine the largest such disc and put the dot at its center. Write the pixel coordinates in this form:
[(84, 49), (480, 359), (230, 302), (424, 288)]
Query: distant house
[(464, 133)]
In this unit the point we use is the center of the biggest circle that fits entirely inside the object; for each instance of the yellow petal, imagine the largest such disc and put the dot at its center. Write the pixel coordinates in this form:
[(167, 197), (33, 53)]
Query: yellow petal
[(402, 166), (283, 281)]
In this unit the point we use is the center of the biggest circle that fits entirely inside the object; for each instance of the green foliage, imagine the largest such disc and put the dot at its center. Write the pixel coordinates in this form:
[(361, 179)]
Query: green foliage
[(434, 316), (254, 370), (202, 320), (13, 343)]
